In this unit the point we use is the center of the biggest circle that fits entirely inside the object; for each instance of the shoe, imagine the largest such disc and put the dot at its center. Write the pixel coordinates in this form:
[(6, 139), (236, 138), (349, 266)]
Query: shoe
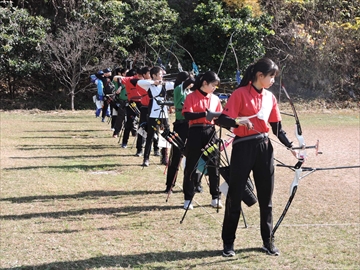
[(228, 250), (124, 145), (146, 163), (167, 190), (139, 153), (188, 205), (156, 153), (103, 119), (198, 189), (115, 136), (216, 203), (270, 248)]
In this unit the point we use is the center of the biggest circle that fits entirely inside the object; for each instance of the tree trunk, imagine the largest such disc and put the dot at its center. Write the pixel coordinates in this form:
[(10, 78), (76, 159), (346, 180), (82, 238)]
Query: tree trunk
[(72, 94)]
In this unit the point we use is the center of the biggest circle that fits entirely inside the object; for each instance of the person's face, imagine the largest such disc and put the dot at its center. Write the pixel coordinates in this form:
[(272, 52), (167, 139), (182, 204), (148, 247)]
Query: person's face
[(147, 76), (158, 76), (209, 87), (266, 81), (107, 74)]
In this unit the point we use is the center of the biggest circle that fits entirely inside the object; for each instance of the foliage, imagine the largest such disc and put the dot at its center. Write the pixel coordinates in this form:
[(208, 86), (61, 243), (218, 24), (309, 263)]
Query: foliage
[(108, 18), (318, 41), (211, 32), (238, 4), (21, 37)]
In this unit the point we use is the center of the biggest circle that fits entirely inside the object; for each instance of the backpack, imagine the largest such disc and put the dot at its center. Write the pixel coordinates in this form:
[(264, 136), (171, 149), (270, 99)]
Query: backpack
[(109, 87)]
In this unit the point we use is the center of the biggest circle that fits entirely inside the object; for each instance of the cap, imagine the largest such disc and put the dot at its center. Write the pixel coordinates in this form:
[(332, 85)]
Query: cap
[(106, 70), (100, 72)]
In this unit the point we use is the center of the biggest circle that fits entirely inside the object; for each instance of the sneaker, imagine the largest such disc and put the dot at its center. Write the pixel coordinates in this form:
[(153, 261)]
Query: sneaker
[(188, 205), (216, 203), (124, 145), (198, 189), (115, 136), (270, 248), (156, 153), (146, 163), (228, 250), (139, 153), (167, 190), (102, 119)]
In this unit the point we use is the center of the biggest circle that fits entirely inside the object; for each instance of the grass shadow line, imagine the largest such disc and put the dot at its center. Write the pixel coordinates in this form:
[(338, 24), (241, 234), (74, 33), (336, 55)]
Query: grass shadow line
[(94, 194), (132, 261), (128, 210)]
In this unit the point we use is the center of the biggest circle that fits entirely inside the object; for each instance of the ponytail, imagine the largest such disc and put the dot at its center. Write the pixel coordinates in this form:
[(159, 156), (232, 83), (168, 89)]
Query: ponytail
[(208, 76), (264, 65), (248, 76)]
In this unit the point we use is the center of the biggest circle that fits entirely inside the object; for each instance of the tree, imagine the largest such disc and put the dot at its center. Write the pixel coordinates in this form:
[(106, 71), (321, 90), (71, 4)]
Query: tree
[(73, 53), (210, 34), (21, 37), (318, 41)]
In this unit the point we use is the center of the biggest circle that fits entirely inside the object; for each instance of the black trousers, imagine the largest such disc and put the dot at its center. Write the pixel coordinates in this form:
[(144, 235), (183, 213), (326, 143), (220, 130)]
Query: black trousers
[(257, 156), (129, 124), (121, 114), (198, 138), (152, 128), (107, 103), (181, 128)]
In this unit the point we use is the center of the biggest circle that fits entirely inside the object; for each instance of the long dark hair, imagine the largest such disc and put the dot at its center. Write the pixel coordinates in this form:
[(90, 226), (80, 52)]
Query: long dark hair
[(264, 65), (208, 76)]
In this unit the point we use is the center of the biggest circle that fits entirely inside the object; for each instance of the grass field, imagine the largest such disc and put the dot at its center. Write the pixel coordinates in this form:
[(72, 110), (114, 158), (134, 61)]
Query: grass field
[(71, 198)]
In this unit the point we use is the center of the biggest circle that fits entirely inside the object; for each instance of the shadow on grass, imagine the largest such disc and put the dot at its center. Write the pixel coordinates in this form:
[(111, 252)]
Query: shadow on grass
[(65, 146), (92, 211), (141, 260), (63, 130), (61, 137), (77, 156), (94, 168), (95, 194)]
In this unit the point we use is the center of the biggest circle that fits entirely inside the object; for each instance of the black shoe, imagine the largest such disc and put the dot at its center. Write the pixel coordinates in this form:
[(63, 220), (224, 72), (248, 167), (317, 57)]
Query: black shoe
[(167, 190), (228, 250), (199, 189), (156, 153), (270, 248)]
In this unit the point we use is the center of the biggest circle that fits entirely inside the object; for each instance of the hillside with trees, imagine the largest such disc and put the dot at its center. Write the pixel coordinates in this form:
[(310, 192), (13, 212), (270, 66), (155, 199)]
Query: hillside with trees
[(50, 48)]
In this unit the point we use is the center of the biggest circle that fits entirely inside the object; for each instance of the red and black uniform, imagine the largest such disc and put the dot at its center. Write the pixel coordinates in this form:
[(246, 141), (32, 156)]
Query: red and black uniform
[(140, 96), (251, 151), (201, 132)]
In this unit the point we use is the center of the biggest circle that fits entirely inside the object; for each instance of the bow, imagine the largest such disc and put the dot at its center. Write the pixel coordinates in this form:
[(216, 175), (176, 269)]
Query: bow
[(238, 72), (177, 59), (194, 66), (301, 155), (157, 55)]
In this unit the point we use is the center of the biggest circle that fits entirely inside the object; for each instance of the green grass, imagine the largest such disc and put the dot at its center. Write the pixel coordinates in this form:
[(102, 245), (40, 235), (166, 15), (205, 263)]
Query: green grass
[(71, 198)]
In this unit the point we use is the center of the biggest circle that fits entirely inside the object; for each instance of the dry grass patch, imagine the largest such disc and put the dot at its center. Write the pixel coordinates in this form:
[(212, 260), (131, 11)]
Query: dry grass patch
[(71, 198)]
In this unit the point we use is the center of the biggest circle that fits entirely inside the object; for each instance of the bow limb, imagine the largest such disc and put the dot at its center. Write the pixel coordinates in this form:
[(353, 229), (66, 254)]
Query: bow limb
[(194, 66), (177, 59), (156, 53)]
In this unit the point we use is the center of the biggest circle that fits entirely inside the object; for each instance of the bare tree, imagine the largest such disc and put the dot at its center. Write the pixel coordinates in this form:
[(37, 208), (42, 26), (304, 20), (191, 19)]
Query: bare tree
[(74, 51)]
